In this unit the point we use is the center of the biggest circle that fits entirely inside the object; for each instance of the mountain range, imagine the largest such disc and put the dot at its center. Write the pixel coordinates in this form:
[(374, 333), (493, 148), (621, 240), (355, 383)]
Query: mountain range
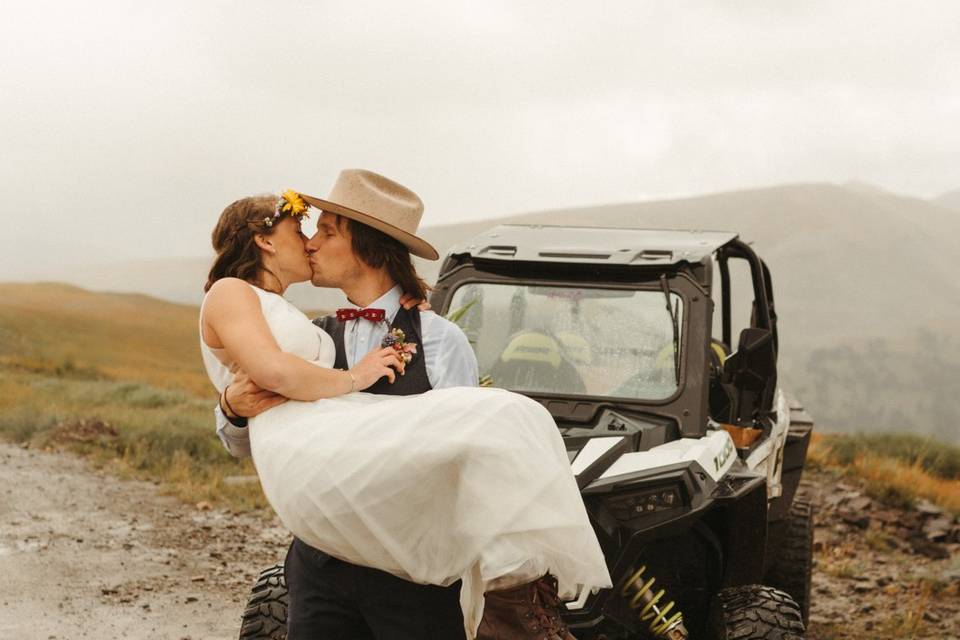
[(863, 279)]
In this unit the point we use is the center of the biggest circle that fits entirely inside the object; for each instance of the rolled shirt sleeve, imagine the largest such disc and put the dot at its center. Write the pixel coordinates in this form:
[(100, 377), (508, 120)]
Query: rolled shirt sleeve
[(235, 439)]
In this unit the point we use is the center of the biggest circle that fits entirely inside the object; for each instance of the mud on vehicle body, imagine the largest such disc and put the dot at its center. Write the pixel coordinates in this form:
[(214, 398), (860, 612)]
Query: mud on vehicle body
[(687, 453)]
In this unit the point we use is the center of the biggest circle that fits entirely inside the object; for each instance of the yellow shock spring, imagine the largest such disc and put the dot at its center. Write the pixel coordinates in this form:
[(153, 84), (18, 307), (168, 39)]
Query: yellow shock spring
[(650, 611)]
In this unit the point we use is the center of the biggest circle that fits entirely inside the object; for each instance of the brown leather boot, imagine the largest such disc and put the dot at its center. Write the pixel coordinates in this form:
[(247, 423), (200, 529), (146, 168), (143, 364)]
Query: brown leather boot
[(527, 612)]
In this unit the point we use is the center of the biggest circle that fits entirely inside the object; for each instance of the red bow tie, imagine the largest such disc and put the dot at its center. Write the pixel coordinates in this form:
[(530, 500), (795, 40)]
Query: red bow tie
[(373, 315)]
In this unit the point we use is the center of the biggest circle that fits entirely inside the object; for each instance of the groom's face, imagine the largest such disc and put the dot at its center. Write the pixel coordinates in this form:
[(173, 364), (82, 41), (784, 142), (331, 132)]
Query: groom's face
[(331, 253)]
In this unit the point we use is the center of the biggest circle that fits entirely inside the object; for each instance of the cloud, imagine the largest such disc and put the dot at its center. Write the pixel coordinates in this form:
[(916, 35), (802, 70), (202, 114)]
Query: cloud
[(131, 125)]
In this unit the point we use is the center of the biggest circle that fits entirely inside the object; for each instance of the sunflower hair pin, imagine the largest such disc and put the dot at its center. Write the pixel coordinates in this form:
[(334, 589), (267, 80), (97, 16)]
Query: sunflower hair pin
[(291, 204)]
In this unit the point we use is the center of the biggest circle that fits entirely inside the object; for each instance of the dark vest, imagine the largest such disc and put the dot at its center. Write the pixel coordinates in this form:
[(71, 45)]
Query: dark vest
[(414, 380)]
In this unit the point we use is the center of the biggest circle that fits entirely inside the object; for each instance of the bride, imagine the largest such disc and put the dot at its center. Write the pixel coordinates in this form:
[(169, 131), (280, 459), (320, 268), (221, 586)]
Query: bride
[(453, 484)]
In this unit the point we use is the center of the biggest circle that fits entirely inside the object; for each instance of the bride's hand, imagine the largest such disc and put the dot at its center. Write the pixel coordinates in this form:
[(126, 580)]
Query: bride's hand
[(377, 364)]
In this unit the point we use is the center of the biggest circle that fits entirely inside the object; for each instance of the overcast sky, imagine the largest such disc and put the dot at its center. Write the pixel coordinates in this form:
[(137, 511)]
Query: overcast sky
[(126, 127)]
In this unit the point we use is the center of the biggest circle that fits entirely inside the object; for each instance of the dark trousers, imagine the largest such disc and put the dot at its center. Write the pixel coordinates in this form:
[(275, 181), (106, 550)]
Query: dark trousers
[(334, 600)]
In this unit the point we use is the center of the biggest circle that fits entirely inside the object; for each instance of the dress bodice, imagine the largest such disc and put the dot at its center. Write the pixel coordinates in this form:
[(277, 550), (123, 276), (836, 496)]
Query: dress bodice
[(292, 330)]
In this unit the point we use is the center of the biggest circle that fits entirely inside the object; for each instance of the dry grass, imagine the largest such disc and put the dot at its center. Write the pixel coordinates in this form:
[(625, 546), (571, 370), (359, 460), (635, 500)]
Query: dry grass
[(144, 432), (890, 478), (54, 328), (71, 358), (69, 355), (907, 621)]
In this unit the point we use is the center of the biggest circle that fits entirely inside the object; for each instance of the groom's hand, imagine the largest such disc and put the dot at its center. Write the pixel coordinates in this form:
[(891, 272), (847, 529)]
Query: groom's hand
[(247, 399), (408, 302)]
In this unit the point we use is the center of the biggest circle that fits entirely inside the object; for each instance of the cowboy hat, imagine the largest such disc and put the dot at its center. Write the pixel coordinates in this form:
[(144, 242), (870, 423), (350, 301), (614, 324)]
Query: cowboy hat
[(378, 202)]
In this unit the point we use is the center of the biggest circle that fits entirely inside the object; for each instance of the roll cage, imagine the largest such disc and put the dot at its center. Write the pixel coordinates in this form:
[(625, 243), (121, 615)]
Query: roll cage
[(637, 260)]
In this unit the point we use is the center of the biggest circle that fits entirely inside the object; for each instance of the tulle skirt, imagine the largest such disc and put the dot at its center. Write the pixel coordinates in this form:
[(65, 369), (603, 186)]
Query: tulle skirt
[(454, 484)]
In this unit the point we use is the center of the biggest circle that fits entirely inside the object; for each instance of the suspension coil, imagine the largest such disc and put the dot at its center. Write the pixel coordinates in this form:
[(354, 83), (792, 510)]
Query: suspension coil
[(644, 600)]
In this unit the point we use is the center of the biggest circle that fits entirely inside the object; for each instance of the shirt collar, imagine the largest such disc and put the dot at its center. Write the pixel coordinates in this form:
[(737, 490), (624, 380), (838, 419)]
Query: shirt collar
[(389, 302)]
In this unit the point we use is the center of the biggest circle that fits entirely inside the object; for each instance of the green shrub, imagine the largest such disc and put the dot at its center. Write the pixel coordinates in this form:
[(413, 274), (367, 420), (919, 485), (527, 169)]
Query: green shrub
[(22, 423)]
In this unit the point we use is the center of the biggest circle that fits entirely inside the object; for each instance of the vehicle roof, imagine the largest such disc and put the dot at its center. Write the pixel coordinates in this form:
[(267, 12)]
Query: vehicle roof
[(593, 245)]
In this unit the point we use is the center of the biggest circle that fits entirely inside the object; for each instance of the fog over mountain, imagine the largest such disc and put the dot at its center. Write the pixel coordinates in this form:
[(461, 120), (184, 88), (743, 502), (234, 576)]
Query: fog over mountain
[(950, 199), (864, 284)]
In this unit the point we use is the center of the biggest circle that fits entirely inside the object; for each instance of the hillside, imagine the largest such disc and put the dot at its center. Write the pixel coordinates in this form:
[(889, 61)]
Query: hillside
[(863, 278), (119, 377), (950, 200), (865, 292), (47, 327)]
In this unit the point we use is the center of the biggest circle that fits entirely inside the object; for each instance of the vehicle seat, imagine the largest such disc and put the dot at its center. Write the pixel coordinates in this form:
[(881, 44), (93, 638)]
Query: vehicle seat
[(533, 361), (720, 399)]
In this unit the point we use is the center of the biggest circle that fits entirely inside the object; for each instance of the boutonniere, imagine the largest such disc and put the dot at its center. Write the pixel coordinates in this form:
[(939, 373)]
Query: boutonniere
[(397, 339)]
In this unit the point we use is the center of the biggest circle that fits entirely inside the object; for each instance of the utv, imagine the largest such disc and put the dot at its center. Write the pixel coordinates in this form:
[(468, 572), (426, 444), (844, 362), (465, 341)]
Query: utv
[(687, 453)]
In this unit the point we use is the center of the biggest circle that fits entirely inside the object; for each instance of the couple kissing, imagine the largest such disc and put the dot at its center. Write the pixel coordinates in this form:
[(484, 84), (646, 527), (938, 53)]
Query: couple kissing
[(421, 505)]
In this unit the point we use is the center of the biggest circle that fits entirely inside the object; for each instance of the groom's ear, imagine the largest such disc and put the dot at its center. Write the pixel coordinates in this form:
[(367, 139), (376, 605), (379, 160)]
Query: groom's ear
[(264, 242)]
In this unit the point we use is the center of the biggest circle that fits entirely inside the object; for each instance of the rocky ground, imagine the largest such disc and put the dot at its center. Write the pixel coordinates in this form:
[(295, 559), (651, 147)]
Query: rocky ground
[(881, 571), (85, 555)]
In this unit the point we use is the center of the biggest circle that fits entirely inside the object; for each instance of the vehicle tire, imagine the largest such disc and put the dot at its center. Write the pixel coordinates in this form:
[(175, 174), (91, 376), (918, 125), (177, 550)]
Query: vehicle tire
[(754, 612), (790, 554), (265, 617)]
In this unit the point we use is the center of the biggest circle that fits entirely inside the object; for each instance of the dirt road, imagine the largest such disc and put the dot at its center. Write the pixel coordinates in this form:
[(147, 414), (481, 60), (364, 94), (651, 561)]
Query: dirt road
[(83, 555)]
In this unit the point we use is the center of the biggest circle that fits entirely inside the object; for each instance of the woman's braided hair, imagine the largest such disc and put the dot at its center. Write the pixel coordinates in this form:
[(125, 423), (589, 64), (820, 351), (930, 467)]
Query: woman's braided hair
[(237, 253)]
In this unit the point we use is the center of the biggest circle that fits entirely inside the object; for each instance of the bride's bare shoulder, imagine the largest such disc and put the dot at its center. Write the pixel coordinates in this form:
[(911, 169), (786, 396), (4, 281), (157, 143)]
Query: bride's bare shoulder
[(230, 293)]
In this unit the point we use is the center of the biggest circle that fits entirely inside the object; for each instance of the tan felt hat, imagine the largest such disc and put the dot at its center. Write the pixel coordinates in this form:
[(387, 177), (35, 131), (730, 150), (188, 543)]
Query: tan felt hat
[(380, 203)]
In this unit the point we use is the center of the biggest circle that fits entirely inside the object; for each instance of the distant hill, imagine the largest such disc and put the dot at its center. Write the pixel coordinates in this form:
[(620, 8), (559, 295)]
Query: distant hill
[(865, 288), (864, 283), (950, 200), (50, 327)]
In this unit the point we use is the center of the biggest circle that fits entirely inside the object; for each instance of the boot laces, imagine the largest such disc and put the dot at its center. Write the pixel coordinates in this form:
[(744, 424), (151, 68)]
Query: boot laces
[(547, 607)]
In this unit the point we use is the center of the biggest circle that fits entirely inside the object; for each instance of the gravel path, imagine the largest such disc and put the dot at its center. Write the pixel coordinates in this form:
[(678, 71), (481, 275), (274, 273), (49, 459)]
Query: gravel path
[(84, 555)]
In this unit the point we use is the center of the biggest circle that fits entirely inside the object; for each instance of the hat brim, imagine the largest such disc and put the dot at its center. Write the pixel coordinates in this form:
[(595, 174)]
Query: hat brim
[(417, 246)]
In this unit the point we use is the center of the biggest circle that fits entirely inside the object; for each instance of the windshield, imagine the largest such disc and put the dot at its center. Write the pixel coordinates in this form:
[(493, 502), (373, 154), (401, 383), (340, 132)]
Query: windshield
[(571, 340)]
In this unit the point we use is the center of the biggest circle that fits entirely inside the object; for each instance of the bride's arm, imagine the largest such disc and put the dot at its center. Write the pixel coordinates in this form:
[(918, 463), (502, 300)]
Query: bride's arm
[(232, 317)]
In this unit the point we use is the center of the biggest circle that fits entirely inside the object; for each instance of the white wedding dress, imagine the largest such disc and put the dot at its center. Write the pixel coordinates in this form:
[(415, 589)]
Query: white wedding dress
[(461, 483)]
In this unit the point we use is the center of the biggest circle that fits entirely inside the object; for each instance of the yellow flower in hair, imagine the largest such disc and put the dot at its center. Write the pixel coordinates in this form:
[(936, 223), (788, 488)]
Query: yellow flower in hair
[(292, 204)]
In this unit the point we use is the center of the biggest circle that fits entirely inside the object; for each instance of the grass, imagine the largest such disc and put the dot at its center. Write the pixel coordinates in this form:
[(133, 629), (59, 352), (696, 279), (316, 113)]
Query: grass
[(66, 331), (116, 378), (898, 469), (880, 541), (907, 621), (71, 359), (844, 568), (936, 458), (129, 428)]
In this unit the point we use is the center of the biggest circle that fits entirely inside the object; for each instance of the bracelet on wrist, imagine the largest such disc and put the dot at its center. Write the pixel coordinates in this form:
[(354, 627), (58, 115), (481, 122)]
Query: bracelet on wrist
[(223, 409), (237, 421), (229, 412)]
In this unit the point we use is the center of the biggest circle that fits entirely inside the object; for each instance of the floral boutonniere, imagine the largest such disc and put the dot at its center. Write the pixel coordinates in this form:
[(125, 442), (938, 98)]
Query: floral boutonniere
[(397, 339)]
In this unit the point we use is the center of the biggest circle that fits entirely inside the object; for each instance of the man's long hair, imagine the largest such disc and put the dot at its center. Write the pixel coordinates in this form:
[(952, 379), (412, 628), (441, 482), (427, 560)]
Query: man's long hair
[(379, 251)]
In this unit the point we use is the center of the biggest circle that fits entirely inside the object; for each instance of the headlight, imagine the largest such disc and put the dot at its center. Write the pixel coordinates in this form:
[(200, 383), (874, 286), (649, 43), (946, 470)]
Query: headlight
[(632, 505)]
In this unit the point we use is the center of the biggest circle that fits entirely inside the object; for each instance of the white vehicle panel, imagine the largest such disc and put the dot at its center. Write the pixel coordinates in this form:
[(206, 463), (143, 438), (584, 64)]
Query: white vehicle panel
[(715, 452), (592, 451), (768, 457)]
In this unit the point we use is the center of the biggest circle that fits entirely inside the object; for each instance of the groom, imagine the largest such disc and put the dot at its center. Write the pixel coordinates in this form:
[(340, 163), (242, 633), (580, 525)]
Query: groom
[(363, 243)]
